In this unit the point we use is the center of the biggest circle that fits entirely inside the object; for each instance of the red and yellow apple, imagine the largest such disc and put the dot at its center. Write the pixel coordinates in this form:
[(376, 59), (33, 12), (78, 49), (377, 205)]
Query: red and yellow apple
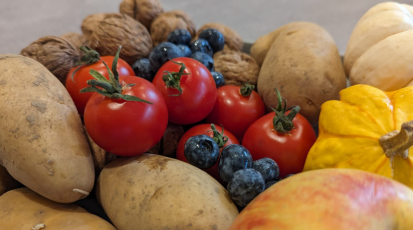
[(325, 199)]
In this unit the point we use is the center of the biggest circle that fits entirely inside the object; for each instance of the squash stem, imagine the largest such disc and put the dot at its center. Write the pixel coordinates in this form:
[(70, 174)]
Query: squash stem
[(397, 143)]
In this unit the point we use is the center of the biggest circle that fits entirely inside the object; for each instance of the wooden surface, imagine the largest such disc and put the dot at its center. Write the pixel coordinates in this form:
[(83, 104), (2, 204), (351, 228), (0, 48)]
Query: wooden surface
[(23, 21)]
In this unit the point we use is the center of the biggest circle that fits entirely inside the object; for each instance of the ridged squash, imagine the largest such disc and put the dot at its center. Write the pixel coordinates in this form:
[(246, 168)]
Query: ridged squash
[(368, 129)]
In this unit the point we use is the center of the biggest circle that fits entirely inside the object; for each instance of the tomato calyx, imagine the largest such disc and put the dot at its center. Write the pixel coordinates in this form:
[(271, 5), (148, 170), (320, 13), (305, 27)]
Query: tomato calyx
[(90, 57), (247, 89), (218, 137), (173, 79), (283, 123), (110, 88)]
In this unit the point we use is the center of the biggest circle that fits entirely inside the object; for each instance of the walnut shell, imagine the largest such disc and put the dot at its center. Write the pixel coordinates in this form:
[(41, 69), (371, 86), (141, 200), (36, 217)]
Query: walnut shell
[(145, 11), (169, 142), (90, 23), (121, 30), (233, 40), (57, 54), (167, 22), (237, 68), (99, 155), (76, 39)]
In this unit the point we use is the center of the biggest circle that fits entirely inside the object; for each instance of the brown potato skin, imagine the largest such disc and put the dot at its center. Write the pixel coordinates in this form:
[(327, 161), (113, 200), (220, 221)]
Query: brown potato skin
[(260, 47), (6, 181), (44, 146), (154, 192), (22, 209), (304, 64)]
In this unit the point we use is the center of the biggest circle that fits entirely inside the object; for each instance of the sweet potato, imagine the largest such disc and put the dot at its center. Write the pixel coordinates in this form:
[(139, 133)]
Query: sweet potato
[(43, 143)]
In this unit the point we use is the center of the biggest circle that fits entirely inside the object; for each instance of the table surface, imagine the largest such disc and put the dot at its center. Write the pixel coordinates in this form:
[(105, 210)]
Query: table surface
[(24, 21)]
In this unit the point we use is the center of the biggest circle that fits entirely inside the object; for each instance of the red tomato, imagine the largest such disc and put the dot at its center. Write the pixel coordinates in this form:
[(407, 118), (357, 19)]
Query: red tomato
[(203, 129), (198, 91), (127, 128), (235, 111), (82, 76), (289, 150)]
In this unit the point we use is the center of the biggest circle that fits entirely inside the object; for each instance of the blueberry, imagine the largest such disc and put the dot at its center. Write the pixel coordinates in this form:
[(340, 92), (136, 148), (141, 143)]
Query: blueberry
[(163, 53), (267, 167), (143, 69), (218, 78), (233, 158), (245, 185), (205, 59), (185, 50), (270, 183), (180, 37), (215, 39), (201, 151), (201, 45)]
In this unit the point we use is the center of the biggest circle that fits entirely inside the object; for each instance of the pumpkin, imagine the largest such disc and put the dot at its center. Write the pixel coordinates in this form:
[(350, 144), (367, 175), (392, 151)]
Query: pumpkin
[(379, 52), (368, 129)]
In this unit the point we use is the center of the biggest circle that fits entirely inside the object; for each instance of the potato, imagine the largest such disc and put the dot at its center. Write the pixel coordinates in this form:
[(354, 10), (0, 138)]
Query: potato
[(23, 209), (43, 144), (6, 181), (304, 64), (260, 47), (154, 192)]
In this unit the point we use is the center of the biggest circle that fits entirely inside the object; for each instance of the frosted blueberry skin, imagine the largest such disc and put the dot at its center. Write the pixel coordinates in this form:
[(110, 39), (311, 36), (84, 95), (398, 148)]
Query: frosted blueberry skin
[(180, 37), (233, 158), (143, 69), (186, 51), (215, 39), (205, 59), (267, 167), (162, 53), (245, 185), (201, 151), (218, 78), (201, 45)]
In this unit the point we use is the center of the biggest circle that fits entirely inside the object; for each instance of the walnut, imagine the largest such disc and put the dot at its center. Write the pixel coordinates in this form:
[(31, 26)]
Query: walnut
[(76, 39), (57, 54), (236, 67), (233, 40), (169, 142), (145, 11), (90, 23), (121, 30), (167, 22), (100, 156)]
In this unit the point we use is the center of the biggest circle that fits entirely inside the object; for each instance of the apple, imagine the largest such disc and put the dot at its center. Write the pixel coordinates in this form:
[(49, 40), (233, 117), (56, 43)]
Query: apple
[(325, 199)]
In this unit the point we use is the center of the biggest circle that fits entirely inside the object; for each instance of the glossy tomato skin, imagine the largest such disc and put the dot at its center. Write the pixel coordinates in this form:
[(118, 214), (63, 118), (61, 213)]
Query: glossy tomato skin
[(235, 111), (204, 129), (288, 150), (82, 76), (127, 128), (198, 92)]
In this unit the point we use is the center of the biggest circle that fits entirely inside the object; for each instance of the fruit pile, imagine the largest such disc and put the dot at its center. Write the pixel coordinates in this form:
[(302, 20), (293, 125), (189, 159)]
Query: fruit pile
[(168, 127)]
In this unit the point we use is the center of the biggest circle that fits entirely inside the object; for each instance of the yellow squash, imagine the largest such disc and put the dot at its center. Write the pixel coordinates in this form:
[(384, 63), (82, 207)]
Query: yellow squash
[(368, 129)]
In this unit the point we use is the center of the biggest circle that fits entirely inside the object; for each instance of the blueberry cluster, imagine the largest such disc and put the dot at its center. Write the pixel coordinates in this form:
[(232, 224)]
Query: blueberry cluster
[(179, 45), (244, 177)]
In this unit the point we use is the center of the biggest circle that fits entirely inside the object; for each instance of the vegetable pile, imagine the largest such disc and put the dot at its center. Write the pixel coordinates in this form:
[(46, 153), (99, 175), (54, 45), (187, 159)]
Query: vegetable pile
[(168, 127)]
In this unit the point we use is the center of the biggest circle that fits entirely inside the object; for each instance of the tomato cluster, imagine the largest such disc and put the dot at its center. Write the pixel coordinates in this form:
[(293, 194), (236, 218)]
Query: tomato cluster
[(127, 115)]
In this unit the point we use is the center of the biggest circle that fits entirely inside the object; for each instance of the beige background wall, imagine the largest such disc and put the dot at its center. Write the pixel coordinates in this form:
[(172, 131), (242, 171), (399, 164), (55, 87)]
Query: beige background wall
[(23, 21)]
